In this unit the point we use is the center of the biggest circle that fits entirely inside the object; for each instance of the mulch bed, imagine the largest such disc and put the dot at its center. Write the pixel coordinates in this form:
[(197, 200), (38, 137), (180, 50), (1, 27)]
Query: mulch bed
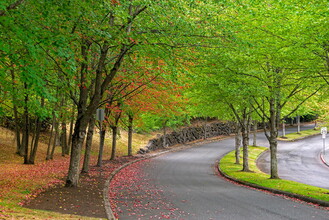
[(85, 200)]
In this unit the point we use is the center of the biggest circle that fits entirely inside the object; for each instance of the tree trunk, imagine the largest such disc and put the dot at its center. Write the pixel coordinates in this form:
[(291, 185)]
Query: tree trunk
[(35, 143), (254, 143), (90, 134), (274, 115), (55, 141), (64, 139), (85, 111), (70, 133), (130, 134), (51, 136), (298, 124), (26, 127), (78, 136), (17, 124), (114, 141), (101, 146), (245, 143), (237, 142), (37, 136), (283, 128)]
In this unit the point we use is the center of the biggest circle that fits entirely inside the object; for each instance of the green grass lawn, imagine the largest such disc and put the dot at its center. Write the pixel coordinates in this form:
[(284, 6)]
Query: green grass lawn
[(228, 166), (300, 135)]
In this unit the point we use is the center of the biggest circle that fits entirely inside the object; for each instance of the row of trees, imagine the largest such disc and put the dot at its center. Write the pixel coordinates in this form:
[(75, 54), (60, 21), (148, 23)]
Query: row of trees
[(273, 66), (62, 60), (240, 60)]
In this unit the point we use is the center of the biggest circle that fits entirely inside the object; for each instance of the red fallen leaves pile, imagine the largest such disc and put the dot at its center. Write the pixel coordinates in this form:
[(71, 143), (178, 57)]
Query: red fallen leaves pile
[(133, 196)]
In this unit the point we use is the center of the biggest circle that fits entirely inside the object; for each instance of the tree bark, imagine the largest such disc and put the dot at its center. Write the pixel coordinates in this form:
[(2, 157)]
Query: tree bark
[(64, 139), (114, 142), (254, 143), (51, 136), (90, 134), (17, 124), (70, 133), (85, 111), (237, 142), (26, 127), (101, 147), (78, 136), (51, 156), (245, 144), (274, 116), (130, 134), (298, 124), (37, 136)]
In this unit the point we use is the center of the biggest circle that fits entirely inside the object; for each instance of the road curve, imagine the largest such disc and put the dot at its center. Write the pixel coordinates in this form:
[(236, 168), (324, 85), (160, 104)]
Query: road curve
[(300, 161), (187, 183)]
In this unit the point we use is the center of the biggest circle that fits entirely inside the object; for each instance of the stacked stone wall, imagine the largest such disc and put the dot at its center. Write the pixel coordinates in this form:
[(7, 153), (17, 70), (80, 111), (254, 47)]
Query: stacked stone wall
[(189, 134)]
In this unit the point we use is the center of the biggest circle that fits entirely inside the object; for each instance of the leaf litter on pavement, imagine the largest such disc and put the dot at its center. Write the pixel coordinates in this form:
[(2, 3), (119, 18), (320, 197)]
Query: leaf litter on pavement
[(134, 195)]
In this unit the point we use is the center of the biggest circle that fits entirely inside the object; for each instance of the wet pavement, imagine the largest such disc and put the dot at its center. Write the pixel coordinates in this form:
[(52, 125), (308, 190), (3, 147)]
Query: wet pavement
[(190, 190)]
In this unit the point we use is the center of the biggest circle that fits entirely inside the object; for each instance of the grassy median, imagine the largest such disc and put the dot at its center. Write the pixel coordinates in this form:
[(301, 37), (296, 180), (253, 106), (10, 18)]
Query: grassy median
[(302, 134), (227, 165)]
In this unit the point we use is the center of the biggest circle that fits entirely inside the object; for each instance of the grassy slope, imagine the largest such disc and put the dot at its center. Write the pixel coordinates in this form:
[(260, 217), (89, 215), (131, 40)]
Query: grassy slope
[(228, 166), (15, 178)]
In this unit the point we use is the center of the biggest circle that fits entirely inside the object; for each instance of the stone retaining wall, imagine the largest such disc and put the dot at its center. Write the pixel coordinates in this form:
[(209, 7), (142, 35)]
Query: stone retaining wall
[(189, 134)]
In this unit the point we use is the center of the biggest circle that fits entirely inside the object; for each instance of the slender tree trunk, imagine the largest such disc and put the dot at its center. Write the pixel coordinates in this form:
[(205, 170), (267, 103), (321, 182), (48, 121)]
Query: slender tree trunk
[(298, 124), (51, 136), (36, 142), (55, 141), (273, 138), (245, 143), (70, 133), (237, 142), (130, 134), (114, 141), (33, 134), (90, 134), (254, 143), (26, 127), (64, 139), (101, 146), (37, 136), (17, 124), (283, 128)]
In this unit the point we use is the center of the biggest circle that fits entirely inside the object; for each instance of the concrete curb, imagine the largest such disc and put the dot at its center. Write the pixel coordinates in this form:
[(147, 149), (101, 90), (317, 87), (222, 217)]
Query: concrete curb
[(323, 159), (274, 191)]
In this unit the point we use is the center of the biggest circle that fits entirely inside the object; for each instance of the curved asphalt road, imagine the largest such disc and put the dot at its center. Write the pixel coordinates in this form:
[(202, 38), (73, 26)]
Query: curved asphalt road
[(300, 161), (188, 182)]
